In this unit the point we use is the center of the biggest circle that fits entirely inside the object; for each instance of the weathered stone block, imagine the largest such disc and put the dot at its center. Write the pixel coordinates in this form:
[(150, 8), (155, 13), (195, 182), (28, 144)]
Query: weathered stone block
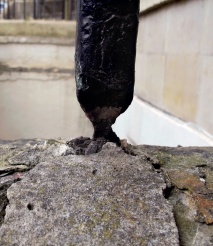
[(110, 198), (138, 195), (205, 102), (206, 46), (181, 85), (185, 24), (150, 77)]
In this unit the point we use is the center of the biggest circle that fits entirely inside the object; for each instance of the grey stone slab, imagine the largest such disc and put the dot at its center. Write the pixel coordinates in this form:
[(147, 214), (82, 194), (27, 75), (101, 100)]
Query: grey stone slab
[(110, 198)]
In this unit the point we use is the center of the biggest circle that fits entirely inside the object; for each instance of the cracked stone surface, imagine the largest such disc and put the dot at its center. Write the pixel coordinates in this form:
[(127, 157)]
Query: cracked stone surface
[(109, 198), (188, 173), (141, 195), (19, 156)]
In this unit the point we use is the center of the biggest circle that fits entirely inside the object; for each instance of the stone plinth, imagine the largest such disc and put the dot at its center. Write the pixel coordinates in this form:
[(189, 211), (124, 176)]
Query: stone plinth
[(139, 195)]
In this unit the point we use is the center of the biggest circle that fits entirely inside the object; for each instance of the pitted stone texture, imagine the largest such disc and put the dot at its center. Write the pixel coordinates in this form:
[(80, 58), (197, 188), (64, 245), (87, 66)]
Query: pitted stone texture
[(188, 173), (109, 198), (24, 154)]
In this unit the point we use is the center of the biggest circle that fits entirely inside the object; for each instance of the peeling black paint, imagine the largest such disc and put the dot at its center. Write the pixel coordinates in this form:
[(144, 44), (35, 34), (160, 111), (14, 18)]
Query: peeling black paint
[(105, 59)]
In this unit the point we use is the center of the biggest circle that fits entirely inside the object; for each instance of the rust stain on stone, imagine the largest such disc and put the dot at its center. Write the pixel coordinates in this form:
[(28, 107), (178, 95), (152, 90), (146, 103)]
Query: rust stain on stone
[(185, 180), (205, 207)]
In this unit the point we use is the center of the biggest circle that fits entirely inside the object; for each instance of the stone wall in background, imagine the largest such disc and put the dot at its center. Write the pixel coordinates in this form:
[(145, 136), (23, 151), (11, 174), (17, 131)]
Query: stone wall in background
[(175, 59), (146, 5), (37, 28), (37, 88), (173, 77)]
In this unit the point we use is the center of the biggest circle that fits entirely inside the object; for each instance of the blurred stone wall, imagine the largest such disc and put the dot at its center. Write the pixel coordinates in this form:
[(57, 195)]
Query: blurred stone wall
[(175, 59), (146, 5)]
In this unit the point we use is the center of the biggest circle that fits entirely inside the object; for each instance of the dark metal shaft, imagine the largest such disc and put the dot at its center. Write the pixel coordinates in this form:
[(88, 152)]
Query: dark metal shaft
[(105, 60)]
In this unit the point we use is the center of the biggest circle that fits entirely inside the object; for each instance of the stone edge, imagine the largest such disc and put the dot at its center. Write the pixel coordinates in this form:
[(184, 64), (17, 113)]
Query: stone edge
[(149, 5)]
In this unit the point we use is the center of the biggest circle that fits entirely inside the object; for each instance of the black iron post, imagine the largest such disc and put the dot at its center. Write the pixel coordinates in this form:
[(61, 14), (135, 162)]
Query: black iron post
[(63, 10), (24, 9), (3, 9), (54, 9), (0, 7), (14, 9), (34, 9), (105, 60), (41, 8), (8, 10), (70, 10)]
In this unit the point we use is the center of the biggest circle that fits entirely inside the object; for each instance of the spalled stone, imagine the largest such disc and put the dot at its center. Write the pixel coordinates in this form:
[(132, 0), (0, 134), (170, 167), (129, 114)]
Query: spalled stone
[(106, 196), (188, 173), (22, 155), (110, 198)]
